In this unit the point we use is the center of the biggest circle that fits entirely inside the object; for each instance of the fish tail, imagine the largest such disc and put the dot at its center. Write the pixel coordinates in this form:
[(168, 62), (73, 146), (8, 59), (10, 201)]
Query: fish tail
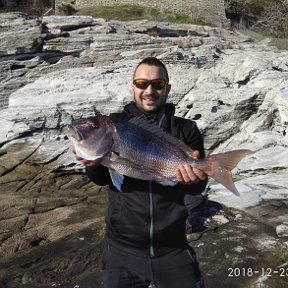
[(220, 166)]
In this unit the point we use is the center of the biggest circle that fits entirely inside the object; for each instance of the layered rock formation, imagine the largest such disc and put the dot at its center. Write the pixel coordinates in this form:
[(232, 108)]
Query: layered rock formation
[(57, 69)]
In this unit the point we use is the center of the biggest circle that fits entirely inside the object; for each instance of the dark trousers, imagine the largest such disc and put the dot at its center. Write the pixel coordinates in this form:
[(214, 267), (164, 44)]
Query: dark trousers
[(173, 270)]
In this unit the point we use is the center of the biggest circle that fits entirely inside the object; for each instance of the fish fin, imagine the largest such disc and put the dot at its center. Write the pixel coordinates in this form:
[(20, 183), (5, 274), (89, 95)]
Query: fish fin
[(222, 164), (124, 166), (117, 179), (168, 182), (159, 132)]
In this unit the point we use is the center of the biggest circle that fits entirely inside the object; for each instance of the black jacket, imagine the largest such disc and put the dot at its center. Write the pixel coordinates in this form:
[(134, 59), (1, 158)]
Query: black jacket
[(147, 218)]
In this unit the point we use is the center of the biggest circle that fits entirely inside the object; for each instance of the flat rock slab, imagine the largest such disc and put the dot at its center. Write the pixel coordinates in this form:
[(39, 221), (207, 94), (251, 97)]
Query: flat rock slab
[(242, 253)]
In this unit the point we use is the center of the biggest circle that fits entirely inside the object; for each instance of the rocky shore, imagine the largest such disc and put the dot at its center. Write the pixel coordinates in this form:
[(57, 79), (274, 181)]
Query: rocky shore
[(56, 69)]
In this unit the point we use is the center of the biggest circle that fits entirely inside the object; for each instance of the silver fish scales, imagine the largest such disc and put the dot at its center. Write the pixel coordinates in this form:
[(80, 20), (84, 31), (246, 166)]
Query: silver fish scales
[(142, 150)]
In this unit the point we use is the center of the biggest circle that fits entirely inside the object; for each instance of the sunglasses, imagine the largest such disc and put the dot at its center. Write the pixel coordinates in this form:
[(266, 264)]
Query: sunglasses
[(156, 84)]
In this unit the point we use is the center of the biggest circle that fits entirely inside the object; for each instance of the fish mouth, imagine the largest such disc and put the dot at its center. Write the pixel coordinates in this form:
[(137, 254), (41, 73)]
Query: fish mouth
[(73, 132)]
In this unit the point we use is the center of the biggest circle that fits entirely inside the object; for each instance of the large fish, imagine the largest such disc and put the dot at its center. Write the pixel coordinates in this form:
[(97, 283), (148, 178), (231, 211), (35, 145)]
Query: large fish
[(142, 150)]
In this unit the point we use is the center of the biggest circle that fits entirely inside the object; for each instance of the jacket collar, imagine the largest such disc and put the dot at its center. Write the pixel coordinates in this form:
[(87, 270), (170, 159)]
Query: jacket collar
[(161, 118)]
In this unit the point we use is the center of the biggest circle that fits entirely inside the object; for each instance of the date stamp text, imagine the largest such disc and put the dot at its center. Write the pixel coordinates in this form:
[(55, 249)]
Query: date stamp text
[(250, 272)]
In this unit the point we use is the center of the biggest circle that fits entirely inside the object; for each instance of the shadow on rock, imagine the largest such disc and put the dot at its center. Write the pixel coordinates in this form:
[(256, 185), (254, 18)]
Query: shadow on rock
[(209, 215), (64, 263)]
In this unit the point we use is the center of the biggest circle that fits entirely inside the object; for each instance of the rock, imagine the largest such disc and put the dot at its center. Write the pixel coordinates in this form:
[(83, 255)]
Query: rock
[(13, 40), (235, 88), (67, 23), (282, 230)]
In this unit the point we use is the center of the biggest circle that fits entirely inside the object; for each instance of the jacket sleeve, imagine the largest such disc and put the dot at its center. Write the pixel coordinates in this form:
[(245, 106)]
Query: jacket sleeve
[(99, 175), (192, 137)]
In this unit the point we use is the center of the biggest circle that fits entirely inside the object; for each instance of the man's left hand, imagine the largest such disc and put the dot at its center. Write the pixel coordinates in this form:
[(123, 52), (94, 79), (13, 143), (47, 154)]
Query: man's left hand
[(188, 175)]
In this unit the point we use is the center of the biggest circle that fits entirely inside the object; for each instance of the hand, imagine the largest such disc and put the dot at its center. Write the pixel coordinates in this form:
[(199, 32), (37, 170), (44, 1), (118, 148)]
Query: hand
[(88, 163), (188, 175)]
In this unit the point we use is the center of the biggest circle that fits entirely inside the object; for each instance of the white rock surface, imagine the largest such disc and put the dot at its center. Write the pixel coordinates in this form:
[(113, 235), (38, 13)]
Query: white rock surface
[(282, 230)]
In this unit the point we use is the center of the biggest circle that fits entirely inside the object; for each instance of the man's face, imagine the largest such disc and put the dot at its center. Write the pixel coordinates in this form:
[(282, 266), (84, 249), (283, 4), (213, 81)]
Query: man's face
[(150, 99)]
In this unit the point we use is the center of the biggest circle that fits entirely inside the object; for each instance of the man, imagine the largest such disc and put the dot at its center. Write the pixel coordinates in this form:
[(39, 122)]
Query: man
[(145, 238)]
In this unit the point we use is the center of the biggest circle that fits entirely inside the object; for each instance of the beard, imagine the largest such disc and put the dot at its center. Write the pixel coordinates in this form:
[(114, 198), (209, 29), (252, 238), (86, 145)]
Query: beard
[(151, 103)]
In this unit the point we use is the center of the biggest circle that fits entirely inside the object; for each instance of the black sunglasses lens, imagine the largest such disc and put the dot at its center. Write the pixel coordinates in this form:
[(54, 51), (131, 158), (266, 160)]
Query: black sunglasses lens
[(141, 83), (156, 84)]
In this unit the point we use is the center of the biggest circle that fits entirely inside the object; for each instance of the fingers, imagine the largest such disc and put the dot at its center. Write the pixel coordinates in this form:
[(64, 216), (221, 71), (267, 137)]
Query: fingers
[(91, 163), (88, 163), (188, 175), (196, 154), (73, 150), (200, 174)]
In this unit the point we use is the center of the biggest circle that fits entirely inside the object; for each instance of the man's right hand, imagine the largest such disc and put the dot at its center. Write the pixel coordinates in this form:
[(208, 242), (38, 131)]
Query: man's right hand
[(88, 163)]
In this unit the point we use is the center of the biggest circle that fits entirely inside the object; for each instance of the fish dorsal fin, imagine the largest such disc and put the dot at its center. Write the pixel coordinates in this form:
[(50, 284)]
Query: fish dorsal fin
[(159, 132)]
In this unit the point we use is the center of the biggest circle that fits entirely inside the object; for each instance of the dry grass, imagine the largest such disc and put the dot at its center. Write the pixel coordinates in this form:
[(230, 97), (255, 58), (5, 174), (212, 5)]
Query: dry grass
[(133, 12)]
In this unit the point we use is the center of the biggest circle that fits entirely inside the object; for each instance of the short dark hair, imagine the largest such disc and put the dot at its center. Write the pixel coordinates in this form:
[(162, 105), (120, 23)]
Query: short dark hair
[(152, 61)]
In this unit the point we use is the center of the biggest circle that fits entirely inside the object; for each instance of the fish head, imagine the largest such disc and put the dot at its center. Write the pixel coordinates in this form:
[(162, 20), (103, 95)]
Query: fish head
[(92, 137)]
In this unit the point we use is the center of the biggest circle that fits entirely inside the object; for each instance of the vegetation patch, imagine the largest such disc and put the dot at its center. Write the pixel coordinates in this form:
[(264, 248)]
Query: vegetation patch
[(133, 12)]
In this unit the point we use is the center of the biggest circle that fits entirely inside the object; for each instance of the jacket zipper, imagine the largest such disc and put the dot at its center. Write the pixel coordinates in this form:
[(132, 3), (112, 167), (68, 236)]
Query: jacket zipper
[(151, 220), (152, 252)]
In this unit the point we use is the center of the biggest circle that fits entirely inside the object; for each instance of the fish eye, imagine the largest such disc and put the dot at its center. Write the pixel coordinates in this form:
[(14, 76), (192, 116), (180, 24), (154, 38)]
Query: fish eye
[(93, 124)]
